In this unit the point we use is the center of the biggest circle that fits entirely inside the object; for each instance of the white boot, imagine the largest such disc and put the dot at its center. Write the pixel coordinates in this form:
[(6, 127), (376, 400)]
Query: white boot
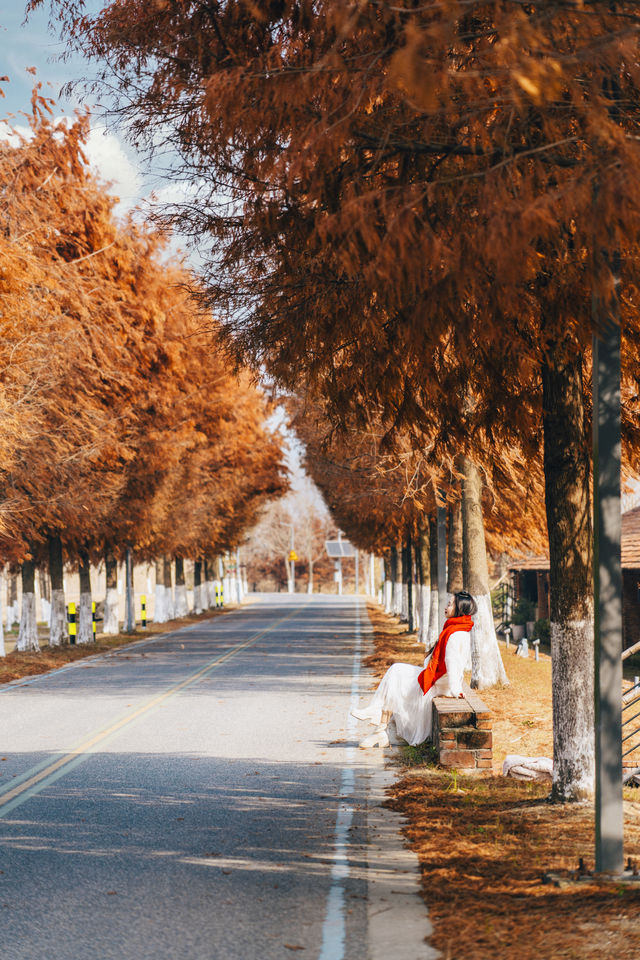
[(361, 715), (379, 738)]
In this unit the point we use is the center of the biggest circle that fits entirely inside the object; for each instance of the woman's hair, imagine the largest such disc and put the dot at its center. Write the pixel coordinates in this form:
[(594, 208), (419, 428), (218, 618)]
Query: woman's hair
[(465, 604)]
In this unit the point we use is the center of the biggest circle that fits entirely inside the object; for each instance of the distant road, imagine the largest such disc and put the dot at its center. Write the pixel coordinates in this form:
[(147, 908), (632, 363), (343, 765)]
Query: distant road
[(195, 796)]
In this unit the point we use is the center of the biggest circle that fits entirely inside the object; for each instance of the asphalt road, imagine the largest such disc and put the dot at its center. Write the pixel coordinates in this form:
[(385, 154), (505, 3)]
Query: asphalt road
[(195, 796)]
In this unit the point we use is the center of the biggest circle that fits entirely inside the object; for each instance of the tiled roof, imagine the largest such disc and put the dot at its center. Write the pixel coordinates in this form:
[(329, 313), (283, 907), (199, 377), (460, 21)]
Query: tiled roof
[(630, 546), (531, 563)]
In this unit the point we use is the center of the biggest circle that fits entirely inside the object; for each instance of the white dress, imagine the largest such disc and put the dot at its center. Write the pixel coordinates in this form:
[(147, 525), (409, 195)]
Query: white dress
[(400, 693)]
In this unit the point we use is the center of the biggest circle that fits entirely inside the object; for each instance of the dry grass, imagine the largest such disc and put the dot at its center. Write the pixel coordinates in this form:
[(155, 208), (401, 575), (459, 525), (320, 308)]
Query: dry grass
[(17, 665), (484, 843)]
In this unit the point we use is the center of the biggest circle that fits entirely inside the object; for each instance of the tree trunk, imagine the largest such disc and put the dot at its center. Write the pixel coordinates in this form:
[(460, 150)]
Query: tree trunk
[(168, 586), (310, 583), (85, 619), (181, 605), (388, 584), (211, 587), (111, 622), (410, 594), (28, 632), (566, 470), (45, 595), (424, 576), (197, 586), (397, 586), (12, 600), (454, 564), (207, 589), (160, 607), (393, 563), (58, 626), (404, 586), (487, 668), (434, 610)]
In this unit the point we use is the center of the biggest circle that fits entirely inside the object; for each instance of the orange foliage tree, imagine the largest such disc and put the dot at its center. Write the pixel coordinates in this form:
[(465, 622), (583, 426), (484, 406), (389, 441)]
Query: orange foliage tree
[(430, 196), (127, 429)]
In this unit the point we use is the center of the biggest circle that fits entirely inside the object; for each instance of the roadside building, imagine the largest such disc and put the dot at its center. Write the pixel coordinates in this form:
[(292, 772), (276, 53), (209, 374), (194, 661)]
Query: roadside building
[(529, 579)]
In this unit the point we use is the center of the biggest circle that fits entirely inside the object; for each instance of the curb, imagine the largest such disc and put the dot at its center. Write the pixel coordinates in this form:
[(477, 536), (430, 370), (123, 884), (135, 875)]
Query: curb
[(397, 920)]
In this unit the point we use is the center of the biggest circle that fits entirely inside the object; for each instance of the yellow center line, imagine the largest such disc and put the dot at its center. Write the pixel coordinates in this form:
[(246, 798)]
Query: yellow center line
[(130, 717)]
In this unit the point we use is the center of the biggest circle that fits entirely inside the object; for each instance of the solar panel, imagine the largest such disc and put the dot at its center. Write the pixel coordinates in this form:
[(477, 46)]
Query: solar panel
[(340, 548)]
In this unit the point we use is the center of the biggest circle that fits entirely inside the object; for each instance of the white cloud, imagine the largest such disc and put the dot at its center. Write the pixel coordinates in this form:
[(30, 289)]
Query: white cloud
[(108, 158)]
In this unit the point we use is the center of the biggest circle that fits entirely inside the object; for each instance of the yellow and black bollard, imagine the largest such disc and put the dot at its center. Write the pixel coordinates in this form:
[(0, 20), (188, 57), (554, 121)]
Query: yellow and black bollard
[(94, 622), (218, 594), (72, 623), (143, 606), (222, 593)]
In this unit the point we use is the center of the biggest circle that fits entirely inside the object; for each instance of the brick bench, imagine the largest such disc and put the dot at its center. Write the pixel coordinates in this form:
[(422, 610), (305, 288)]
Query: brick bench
[(462, 735)]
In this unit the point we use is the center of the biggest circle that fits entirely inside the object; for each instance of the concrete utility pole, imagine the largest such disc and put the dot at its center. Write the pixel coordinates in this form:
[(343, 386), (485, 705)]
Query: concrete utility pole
[(441, 520), (607, 580)]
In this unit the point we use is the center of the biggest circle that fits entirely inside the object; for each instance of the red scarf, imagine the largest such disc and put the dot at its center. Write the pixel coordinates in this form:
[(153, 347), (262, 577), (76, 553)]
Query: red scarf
[(437, 667)]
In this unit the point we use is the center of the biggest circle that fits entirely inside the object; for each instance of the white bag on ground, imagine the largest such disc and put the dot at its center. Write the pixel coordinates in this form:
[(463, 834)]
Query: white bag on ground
[(527, 768)]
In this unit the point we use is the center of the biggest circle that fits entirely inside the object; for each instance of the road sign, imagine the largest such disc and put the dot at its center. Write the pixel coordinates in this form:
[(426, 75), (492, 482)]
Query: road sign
[(293, 556)]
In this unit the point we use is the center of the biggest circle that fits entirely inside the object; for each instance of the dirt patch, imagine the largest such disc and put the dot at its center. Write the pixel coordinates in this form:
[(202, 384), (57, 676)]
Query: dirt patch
[(17, 665), (484, 844)]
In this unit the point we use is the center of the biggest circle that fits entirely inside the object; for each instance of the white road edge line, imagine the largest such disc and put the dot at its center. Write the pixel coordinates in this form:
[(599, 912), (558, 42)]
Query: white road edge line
[(334, 927)]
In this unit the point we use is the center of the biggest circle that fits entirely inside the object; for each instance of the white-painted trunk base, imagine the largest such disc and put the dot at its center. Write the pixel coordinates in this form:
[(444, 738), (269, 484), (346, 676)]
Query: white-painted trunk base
[(197, 601), (13, 614), (85, 620), (46, 611), (168, 601), (434, 626), (487, 668), (424, 608), (572, 683), (180, 604), (388, 596), (2, 648), (28, 632), (58, 628), (160, 607), (211, 594), (111, 622), (397, 598), (404, 615)]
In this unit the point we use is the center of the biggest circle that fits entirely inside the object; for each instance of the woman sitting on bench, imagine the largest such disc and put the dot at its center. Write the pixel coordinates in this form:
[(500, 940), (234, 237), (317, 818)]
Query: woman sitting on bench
[(406, 692)]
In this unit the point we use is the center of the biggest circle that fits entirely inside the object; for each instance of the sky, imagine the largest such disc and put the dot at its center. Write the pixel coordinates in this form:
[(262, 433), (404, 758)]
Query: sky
[(32, 44)]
